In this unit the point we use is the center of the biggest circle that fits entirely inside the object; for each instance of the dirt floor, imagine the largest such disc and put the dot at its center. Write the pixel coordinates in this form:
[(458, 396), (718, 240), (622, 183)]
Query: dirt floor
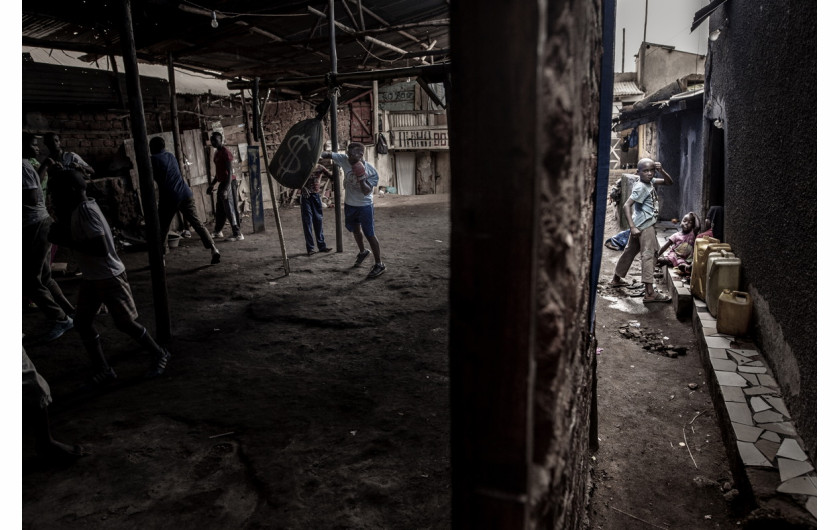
[(320, 400), (316, 400), (661, 461)]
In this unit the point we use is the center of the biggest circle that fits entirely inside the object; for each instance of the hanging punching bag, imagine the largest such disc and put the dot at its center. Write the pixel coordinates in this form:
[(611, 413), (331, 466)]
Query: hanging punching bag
[(300, 150)]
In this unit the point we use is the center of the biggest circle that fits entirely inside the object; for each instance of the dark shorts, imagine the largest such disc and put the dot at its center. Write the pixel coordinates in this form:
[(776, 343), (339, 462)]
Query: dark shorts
[(114, 292), (359, 215)]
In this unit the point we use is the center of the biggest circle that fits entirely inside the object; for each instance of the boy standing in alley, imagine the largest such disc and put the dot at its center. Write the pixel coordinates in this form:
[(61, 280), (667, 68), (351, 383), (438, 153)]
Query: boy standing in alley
[(642, 212), (226, 197), (360, 179), (176, 196), (82, 227)]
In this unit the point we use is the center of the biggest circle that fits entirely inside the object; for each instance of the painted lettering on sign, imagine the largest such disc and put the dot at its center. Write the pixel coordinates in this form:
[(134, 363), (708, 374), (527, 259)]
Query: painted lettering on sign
[(421, 139)]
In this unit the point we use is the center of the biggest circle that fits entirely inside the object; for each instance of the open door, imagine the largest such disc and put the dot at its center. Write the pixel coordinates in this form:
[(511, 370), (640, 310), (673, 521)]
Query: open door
[(406, 163)]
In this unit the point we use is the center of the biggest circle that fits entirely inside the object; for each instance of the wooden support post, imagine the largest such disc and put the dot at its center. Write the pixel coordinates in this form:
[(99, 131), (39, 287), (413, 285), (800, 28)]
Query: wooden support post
[(173, 106), (144, 171), (374, 111), (339, 228), (248, 137), (258, 133)]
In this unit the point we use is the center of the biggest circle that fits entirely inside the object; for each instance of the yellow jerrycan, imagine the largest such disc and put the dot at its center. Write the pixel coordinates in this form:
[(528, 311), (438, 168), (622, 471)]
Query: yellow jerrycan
[(734, 312), (702, 248), (723, 271)]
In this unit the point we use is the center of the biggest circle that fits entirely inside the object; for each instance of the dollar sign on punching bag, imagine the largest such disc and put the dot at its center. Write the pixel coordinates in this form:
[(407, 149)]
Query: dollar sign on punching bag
[(299, 152)]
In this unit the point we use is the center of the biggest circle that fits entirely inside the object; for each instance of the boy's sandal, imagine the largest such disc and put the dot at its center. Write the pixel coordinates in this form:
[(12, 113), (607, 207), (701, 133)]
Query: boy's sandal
[(658, 297)]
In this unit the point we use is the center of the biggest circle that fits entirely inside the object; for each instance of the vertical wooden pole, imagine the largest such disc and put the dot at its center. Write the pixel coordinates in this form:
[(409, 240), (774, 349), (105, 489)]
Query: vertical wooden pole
[(374, 111), (173, 105), (339, 228), (258, 133), (248, 136), (144, 171)]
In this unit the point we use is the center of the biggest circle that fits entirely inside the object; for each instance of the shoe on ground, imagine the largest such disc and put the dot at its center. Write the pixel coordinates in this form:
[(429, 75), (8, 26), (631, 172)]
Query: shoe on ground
[(377, 270), (325, 249), (186, 234), (360, 257), (159, 364), (218, 235), (103, 378), (239, 237), (216, 258), (59, 328), (310, 252)]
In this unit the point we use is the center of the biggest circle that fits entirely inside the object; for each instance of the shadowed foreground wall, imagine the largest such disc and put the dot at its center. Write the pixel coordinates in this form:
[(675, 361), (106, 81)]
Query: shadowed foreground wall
[(762, 79), (524, 114)]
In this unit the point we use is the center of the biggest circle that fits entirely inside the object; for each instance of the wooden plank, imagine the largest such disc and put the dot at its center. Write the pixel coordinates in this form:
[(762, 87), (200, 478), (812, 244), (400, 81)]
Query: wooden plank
[(443, 172)]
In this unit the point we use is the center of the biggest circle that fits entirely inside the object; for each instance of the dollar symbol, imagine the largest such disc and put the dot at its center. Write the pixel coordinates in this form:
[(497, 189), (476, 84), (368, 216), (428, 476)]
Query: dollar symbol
[(290, 163)]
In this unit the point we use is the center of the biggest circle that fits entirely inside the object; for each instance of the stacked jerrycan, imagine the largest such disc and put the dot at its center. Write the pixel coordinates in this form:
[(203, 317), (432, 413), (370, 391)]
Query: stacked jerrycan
[(734, 312), (702, 248), (723, 271)]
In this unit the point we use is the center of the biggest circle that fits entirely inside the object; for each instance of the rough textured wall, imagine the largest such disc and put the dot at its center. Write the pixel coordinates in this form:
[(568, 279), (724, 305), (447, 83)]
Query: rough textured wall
[(762, 77), (564, 354), (680, 150), (664, 66)]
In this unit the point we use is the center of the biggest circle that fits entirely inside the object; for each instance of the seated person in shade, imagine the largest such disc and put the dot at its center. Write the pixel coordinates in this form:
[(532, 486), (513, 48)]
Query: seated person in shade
[(680, 246)]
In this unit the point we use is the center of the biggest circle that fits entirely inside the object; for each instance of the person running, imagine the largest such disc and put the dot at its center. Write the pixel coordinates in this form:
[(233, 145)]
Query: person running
[(82, 227), (176, 196)]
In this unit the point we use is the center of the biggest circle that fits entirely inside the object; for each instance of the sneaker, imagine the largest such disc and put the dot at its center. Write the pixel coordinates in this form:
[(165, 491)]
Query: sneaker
[(159, 364), (58, 329), (186, 234), (325, 249), (216, 258), (377, 270), (360, 257), (103, 378), (310, 252), (239, 237), (218, 235)]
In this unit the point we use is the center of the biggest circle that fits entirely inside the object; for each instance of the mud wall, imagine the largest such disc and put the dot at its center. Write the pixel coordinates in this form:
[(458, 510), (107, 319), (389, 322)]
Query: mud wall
[(762, 84), (522, 362)]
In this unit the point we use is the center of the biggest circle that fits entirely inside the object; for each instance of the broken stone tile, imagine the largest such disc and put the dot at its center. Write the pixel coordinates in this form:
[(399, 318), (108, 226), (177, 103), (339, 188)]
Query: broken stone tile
[(740, 359), (768, 416), (733, 393), (781, 427), (739, 413), (744, 352), (773, 437), (717, 353), (792, 468), (767, 448), (752, 369), (778, 404), (755, 363), (717, 342), (752, 456), (811, 505), (730, 379), (758, 404), (759, 390), (767, 380), (724, 365), (790, 449), (751, 379), (799, 485), (746, 433)]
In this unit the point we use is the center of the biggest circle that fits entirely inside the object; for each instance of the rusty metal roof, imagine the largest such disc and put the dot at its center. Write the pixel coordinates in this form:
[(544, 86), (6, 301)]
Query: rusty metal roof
[(254, 38), (626, 88)]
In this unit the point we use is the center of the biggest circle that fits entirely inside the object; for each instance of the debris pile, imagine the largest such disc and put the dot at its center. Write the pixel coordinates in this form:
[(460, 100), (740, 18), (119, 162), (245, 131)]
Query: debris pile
[(651, 340)]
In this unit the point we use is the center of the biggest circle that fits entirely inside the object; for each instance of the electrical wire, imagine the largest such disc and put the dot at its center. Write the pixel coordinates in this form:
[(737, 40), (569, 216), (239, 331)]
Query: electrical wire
[(232, 14)]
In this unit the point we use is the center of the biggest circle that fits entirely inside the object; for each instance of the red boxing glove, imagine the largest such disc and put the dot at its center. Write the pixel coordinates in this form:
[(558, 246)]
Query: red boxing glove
[(359, 169)]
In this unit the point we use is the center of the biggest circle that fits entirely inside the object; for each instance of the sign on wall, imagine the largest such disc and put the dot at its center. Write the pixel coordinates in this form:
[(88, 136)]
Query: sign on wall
[(421, 139)]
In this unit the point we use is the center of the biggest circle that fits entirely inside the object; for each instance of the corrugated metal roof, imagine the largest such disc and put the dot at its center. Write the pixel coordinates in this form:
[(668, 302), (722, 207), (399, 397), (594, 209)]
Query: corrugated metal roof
[(626, 88)]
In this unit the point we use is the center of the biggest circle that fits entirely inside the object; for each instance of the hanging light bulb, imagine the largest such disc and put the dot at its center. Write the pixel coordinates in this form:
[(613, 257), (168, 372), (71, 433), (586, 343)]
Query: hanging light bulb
[(213, 22)]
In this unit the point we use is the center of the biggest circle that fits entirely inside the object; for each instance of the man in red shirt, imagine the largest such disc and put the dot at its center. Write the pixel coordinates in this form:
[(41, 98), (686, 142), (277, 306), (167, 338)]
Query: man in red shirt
[(226, 197)]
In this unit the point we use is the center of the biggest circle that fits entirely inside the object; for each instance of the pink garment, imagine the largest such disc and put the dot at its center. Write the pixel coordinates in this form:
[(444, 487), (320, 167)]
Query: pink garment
[(682, 247)]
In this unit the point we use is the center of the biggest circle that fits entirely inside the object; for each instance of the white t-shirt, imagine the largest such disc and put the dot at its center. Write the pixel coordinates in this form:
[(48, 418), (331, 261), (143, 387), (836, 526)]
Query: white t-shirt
[(31, 181), (87, 222), (353, 194)]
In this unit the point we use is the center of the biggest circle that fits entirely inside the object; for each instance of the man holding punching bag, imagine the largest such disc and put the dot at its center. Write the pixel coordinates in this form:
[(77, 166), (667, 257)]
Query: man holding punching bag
[(360, 179)]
